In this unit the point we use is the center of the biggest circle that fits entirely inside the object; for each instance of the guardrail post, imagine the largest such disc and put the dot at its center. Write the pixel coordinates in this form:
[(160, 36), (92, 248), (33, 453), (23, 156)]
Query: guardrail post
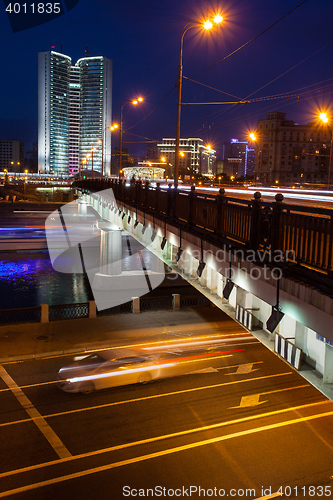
[(275, 224), (173, 204), (146, 193), (169, 200), (255, 218), (192, 196), (44, 313), (220, 200), (92, 309), (136, 305), (330, 248), (176, 301), (158, 191)]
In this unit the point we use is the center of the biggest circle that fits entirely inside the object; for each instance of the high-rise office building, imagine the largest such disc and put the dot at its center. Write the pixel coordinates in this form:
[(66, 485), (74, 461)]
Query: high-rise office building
[(74, 113)]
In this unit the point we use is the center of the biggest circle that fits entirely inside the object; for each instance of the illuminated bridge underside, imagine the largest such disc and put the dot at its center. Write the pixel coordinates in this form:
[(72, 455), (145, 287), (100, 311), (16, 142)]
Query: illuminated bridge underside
[(257, 238)]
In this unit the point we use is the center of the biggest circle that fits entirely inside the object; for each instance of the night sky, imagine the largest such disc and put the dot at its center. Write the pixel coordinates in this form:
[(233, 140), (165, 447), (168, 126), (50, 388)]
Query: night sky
[(142, 38)]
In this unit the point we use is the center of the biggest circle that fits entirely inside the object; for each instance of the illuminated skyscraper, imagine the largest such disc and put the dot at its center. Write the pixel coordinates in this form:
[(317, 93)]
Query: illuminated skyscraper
[(53, 112), (74, 113)]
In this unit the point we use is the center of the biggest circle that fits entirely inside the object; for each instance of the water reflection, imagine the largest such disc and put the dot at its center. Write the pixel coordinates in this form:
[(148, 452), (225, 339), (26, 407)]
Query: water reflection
[(27, 279)]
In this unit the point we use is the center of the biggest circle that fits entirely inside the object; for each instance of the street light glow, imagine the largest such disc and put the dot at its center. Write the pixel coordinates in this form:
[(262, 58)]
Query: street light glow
[(323, 117), (253, 137), (218, 19), (208, 25)]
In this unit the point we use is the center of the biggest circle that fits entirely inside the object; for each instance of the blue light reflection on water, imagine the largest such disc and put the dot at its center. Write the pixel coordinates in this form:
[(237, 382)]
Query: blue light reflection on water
[(27, 279)]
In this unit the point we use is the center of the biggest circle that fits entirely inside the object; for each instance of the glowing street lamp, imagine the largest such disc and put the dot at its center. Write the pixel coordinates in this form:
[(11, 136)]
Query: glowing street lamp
[(134, 102), (207, 25), (323, 116), (253, 138)]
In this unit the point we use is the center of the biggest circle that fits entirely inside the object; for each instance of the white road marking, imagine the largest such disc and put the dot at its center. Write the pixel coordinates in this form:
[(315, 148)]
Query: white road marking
[(244, 369), (253, 399), (36, 417)]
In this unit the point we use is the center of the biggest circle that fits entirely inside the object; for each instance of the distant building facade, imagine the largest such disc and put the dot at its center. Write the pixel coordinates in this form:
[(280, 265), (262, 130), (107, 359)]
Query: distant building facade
[(195, 157), (12, 155), (288, 153), (240, 156), (74, 113), (146, 170)]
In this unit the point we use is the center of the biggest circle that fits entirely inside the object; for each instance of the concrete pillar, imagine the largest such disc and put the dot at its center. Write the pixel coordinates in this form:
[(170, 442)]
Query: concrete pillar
[(187, 263), (328, 365), (194, 267), (287, 328), (136, 305), (82, 210), (220, 285), (240, 296), (110, 249), (173, 253), (44, 313), (204, 277), (233, 297), (300, 336), (176, 301), (92, 309)]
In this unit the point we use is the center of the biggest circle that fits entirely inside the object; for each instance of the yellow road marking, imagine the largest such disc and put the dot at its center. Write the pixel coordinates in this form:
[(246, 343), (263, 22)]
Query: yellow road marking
[(165, 437), (155, 396), (162, 453), (36, 417)]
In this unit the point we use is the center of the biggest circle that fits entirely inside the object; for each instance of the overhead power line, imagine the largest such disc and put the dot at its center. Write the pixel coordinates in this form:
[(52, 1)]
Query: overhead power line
[(252, 39)]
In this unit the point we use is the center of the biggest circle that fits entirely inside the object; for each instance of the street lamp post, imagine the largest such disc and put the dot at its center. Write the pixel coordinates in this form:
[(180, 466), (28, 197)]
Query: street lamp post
[(101, 141), (324, 118), (253, 138), (134, 102), (113, 127), (207, 25)]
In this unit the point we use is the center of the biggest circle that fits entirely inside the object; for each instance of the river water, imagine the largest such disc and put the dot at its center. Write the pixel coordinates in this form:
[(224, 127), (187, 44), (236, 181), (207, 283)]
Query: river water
[(28, 279)]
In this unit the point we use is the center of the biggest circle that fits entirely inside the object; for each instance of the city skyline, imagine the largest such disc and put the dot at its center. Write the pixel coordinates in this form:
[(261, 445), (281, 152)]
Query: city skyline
[(145, 56)]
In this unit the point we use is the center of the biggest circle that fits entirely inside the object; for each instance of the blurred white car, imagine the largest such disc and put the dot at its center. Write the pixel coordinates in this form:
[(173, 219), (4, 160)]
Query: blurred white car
[(104, 369)]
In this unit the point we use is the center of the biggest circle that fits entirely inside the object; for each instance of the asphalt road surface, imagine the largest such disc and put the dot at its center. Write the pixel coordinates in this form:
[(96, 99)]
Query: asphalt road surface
[(246, 425)]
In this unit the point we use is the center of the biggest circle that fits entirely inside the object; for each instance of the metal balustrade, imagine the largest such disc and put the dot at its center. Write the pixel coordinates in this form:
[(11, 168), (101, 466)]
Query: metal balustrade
[(68, 311), (24, 315), (303, 235)]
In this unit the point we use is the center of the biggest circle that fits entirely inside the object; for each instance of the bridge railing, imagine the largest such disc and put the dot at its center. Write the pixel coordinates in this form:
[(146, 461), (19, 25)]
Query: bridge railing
[(302, 235)]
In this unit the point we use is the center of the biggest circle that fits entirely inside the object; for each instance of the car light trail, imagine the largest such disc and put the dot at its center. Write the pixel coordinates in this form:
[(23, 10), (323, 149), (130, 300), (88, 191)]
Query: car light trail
[(124, 372)]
